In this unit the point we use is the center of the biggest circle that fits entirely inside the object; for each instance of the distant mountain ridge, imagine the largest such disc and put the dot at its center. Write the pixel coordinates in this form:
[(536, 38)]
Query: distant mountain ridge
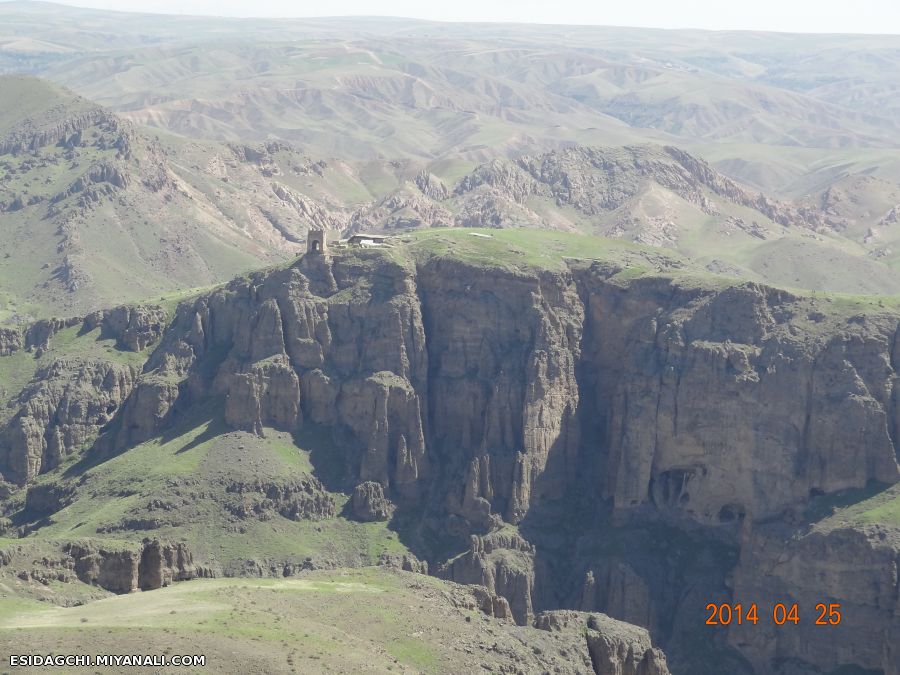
[(659, 196), (89, 197), (361, 87), (96, 212)]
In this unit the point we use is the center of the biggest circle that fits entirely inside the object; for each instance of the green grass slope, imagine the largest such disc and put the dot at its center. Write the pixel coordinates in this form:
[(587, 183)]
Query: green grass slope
[(39, 103), (190, 470), (365, 620)]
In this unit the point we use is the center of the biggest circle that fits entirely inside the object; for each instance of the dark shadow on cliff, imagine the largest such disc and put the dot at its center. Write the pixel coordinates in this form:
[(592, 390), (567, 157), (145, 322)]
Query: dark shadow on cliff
[(639, 569), (215, 427), (105, 449), (426, 534), (94, 457), (334, 464), (330, 460)]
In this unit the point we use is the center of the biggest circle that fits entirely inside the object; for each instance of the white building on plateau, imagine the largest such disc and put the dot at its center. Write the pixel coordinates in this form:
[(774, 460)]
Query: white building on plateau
[(363, 239)]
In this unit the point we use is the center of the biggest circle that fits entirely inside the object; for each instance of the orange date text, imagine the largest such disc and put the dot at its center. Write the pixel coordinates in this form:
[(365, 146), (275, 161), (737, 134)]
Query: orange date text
[(780, 613)]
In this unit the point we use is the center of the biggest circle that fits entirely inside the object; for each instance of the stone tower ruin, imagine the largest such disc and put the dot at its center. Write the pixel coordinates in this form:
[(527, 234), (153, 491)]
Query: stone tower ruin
[(316, 242)]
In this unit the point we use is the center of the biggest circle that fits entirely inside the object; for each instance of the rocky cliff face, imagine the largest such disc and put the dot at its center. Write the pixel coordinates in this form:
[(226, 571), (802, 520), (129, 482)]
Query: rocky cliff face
[(358, 358), (713, 403), (856, 568), (64, 408), (504, 564), (502, 387), (70, 399), (118, 569), (152, 566), (614, 648), (498, 394), (60, 126), (133, 327), (742, 402)]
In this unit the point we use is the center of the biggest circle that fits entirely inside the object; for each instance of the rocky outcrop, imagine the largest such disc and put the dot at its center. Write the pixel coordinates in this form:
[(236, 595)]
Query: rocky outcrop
[(598, 180), (264, 155), (400, 210), (55, 126), (474, 597), (621, 592), (162, 564), (116, 571), (507, 177), (301, 499), (383, 413), (312, 214), (615, 647), (504, 565), (265, 393), (405, 561), (70, 274), (146, 411), (39, 334), (260, 343), (133, 327), (151, 566), (491, 604), (62, 410), (781, 213), (431, 186), (11, 340), (892, 217), (369, 504), (494, 208), (103, 172), (854, 568), (70, 398)]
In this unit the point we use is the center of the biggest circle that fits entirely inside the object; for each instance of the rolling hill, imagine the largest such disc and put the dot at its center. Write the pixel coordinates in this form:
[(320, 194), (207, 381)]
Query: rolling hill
[(89, 198), (94, 212), (364, 88)]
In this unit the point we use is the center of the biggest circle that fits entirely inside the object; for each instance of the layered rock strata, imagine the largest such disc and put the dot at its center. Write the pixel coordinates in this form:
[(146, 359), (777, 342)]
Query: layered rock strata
[(496, 392), (153, 565), (715, 404), (71, 398)]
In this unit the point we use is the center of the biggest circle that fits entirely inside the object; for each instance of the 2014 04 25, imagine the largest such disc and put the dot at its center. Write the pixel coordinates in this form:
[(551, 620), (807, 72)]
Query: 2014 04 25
[(781, 614)]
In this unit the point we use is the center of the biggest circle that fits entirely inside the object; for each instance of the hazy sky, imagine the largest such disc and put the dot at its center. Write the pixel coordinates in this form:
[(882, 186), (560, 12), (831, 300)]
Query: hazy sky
[(828, 16)]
